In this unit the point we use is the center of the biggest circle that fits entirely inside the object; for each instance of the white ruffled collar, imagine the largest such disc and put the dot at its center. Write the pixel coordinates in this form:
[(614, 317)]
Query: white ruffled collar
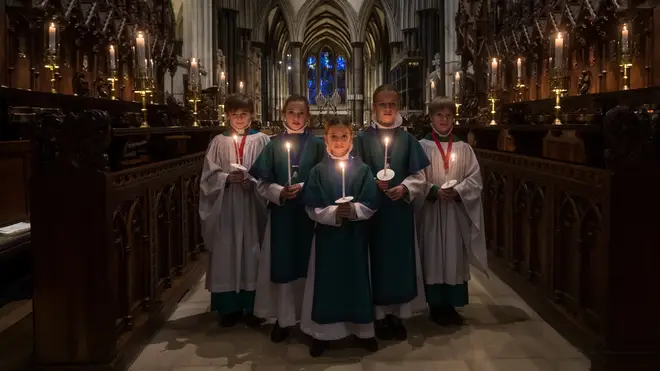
[(398, 121)]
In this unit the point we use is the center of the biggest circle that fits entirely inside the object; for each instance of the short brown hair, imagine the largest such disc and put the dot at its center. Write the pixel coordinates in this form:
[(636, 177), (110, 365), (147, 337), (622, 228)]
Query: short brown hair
[(296, 98), (440, 103), (384, 88), (238, 101), (337, 120)]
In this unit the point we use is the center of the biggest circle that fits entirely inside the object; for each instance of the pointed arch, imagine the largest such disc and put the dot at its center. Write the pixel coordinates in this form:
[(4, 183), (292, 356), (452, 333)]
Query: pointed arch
[(303, 16), (365, 13)]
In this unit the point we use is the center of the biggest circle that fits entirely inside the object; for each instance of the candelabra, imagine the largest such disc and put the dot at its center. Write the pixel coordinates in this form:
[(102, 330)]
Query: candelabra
[(112, 67), (626, 55), (143, 80), (557, 80), (52, 48)]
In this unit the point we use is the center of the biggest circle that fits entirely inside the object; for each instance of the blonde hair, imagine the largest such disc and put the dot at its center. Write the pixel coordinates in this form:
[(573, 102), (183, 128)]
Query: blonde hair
[(338, 120), (440, 103)]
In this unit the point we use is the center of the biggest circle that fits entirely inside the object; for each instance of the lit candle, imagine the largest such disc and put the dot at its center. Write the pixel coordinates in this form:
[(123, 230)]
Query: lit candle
[(141, 53), (387, 141), (457, 84), (112, 56), (343, 178), (452, 162), (238, 156), (52, 30), (519, 67), (241, 87), (194, 69), (559, 51), (624, 39), (493, 73), (288, 160)]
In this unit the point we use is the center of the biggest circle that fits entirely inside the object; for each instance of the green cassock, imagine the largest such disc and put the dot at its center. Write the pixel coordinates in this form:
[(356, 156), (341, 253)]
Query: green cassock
[(291, 230), (392, 232), (341, 284)]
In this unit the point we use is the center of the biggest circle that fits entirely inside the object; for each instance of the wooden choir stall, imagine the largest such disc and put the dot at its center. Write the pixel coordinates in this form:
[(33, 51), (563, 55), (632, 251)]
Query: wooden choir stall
[(560, 101), (105, 167)]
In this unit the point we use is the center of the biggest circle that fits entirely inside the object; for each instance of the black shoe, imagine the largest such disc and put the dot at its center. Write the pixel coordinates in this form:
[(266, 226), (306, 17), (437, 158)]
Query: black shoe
[(230, 320), (398, 329), (454, 318), (317, 348), (370, 344), (279, 334), (383, 329), (252, 320), (446, 316)]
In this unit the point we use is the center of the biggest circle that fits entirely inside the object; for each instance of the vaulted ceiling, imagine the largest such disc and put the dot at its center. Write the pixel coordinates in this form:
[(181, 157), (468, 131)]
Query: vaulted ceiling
[(327, 25)]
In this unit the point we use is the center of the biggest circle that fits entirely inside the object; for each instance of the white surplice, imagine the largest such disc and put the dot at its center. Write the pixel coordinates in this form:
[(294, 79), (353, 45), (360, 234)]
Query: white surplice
[(451, 234), (232, 218), (340, 330), (282, 301), (416, 185)]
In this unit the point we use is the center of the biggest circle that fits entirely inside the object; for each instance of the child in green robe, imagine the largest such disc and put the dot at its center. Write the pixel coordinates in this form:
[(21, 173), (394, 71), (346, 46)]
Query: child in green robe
[(289, 231), (395, 264), (232, 214), (340, 196)]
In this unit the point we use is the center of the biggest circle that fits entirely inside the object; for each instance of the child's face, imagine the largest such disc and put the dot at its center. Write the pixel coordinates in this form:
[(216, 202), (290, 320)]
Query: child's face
[(239, 119), (443, 120), (386, 106), (296, 114), (338, 140)]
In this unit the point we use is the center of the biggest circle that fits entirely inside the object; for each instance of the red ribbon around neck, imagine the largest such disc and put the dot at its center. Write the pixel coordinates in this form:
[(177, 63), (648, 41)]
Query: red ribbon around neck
[(239, 149), (447, 155)]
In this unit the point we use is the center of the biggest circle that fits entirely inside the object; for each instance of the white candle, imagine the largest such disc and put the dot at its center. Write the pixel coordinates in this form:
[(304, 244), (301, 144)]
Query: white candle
[(387, 140), (113, 58), (238, 156), (519, 67), (343, 178), (223, 82), (52, 30), (241, 87), (457, 84), (452, 162), (624, 39), (288, 160), (559, 51), (493, 73), (140, 49)]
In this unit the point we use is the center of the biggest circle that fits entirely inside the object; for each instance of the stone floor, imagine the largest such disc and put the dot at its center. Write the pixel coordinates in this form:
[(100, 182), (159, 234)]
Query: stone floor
[(502, 333)]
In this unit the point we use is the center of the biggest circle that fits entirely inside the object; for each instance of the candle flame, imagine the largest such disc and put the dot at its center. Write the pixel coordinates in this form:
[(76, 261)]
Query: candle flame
[(288, 145), (52, 25), (494, 61), (222, 75), (387, 140), (625, 28), (453, 157), (235, 138), (194, 60), (458, 75), (559, 36), (342, 165)]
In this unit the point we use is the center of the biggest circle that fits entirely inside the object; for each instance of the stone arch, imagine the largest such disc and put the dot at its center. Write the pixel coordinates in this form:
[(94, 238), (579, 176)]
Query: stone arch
[(303, 16), (262, 21), (365, 13)]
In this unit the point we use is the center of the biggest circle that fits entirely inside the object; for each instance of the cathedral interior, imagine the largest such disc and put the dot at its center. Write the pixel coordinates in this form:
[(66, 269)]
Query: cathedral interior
[(107, 108)]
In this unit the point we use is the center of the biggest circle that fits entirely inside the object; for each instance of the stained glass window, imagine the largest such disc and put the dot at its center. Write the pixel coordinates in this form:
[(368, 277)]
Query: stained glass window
[(311, 79), (325, 75), (341, 77)]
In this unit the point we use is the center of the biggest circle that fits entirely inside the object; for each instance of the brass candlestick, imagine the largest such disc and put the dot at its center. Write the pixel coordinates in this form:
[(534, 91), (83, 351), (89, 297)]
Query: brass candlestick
[(625, 52), (52, 66), (145, 123), (492, 98), (557, 84), (194, 92), (113, 81), (52, 47)]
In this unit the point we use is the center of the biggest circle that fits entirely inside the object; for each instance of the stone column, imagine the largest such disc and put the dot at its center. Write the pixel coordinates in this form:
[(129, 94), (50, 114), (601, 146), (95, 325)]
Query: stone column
[(452, 60), (296, 69), (432, 36), (358, 82), (227, 32)]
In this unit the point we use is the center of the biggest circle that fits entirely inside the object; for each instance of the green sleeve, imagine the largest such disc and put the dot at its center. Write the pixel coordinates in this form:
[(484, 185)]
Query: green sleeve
[(418, 160), (263, 167), (433, 194)]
